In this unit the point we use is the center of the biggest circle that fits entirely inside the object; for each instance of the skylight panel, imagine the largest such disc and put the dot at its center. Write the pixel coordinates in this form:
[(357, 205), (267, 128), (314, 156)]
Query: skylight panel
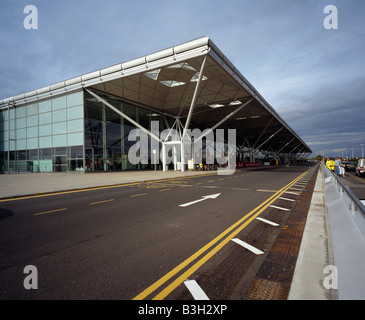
[(171, 83), (183, 65), (153, 74), (216, 105), (196, 76)]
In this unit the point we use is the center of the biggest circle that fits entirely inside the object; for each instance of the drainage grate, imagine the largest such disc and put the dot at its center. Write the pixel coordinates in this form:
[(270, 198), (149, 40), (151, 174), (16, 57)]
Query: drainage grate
[(267, 290)]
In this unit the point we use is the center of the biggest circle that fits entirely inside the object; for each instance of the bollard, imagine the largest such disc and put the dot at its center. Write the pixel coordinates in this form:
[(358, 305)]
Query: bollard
[(353, 206)]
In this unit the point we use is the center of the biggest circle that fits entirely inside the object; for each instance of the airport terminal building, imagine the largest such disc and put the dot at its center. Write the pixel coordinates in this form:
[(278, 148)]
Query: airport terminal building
[(82, 124)]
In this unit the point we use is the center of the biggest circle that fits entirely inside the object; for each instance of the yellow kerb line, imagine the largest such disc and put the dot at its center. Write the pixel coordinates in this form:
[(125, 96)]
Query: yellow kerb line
[(138, 195), (92, 203), (197, 265), (38, 214)]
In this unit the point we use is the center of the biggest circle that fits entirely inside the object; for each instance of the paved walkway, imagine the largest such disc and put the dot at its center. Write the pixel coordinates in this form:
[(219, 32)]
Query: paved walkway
[(315, 251), (15, 185)]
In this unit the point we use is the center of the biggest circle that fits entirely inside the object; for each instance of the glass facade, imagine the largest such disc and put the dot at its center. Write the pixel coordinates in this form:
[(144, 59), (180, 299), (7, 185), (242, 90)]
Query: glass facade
[(106, 133), (44, 136), (72, 132)]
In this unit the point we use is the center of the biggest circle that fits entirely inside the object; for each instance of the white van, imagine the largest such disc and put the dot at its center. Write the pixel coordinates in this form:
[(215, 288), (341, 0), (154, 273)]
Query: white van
[(360, 167)]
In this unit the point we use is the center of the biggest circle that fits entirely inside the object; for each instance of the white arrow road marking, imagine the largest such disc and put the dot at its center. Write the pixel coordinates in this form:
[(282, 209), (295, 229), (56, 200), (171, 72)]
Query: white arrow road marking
[(212, 196)]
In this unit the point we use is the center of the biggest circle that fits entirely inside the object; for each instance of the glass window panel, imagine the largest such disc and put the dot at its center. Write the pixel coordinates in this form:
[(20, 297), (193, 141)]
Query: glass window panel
[(113, 128), (45, 142), (21, 133), (93, 125), (4, 126), (144, 118), (60, 140), (32, 143), (32, 132), (113, 140), (76, 152), (45, 130), (12, 134), (45, 118), (59, 103), (3, 116), (21, 123), (21, 144), (59, 151), (59, 127), (12, 124), (4, 136), (12, 113), (12, 145), (75, 113), (93, 139), (45, 166), (33, 154), (21, 112), (75, 139), (76, 165), (75, 125), (45, 106), (32, 166), (94, 112), (75, 99), (45, 154), (32, 109), (32, 121), (21, 155), (59, 115)]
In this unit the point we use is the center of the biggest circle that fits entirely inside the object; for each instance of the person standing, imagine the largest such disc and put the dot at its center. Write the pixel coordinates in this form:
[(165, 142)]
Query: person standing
[(342, 168), (337, 166)]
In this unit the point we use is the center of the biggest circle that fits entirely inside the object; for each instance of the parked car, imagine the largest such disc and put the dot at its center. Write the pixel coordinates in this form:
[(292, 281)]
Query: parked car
[(360, 167), (350, 166)]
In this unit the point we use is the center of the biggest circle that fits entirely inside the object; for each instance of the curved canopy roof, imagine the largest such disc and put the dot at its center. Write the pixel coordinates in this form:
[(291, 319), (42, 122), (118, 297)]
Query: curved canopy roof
[(165, 81)]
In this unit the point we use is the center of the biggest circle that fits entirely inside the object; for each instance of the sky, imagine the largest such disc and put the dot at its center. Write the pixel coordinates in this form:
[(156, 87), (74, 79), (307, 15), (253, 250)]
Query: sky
[(312, 76)]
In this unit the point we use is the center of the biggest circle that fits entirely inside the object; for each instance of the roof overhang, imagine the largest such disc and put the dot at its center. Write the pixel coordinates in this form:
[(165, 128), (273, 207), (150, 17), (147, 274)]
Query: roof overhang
[(165, 81)]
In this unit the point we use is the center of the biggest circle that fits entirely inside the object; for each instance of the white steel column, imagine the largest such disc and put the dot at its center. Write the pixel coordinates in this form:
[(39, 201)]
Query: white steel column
[(191, 110)]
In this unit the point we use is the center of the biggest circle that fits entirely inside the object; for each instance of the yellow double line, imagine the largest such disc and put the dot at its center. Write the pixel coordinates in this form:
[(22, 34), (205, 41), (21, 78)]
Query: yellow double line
[(237, 227)]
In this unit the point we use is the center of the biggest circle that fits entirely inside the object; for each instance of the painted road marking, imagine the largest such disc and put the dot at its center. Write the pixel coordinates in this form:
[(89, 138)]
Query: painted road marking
[(138, 195), (287, 199), (98, 202), (57, 210), (268, 222), (280, 208), (247, 246), (208, 251), (295, 193), (195, 290), (212, 196), (164, 190)]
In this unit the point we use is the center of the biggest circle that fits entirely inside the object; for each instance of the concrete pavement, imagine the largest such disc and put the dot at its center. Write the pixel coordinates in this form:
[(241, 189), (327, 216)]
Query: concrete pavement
[(315, 251)]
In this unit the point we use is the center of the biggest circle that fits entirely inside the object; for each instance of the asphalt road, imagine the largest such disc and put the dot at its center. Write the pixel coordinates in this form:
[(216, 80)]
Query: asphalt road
[(136, 241)]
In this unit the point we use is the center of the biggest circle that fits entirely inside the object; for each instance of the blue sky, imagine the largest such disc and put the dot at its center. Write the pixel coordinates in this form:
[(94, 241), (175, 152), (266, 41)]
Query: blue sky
[(313, 77)]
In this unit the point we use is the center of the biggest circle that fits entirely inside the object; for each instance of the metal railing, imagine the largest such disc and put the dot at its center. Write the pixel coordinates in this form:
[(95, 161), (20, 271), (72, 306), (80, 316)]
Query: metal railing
[(355, 203)]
